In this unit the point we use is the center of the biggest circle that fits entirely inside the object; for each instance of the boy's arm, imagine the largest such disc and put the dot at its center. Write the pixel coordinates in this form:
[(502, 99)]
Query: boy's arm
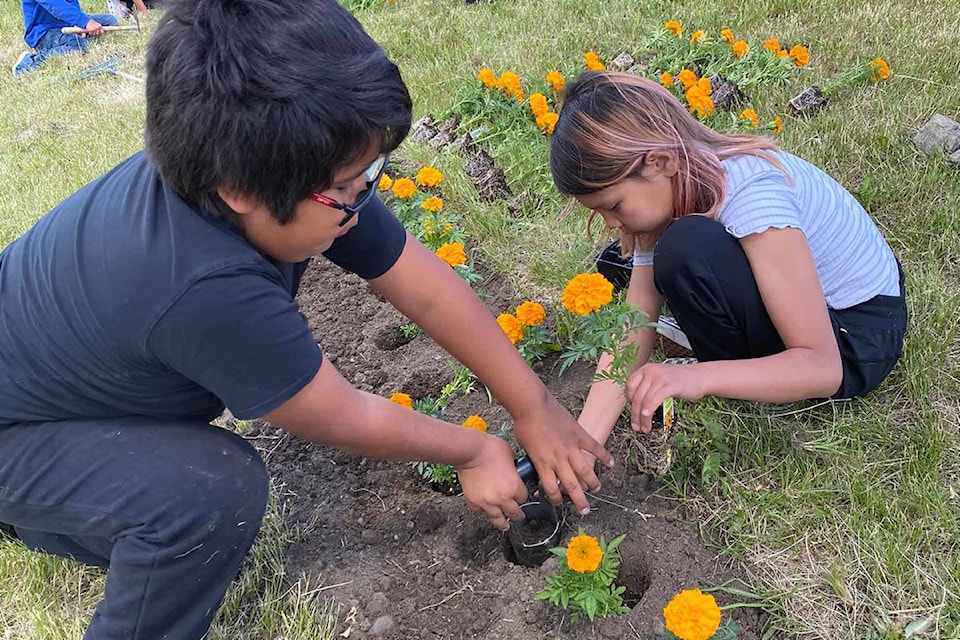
[(330, 411), (66, 12), (430, 293)]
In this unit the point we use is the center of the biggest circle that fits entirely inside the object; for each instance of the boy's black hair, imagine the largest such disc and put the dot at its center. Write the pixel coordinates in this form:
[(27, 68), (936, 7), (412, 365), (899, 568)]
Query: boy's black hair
[(266, 97)]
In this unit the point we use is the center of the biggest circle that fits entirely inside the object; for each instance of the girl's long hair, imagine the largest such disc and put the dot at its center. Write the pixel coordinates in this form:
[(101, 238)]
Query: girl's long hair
[(610, 121)]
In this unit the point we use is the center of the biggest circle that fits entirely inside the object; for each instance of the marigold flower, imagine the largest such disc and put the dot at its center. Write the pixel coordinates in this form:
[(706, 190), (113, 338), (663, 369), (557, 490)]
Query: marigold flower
[(538, 104), (583, 554), (800, 55), (487, 77), (749, 115), (432, 203), (509, 83), (429, 224), (879, 71), (777, 125), (727, 36), (556, 80), (452, 253), (593, 62), (547, 121), (429, 177), (511, 326), (697, 36), (402, 399), (404, 188), (447, 228), (673, 25), (531, 313), (740, 48), (476, 422), (692, 615), (772, 45), (782, 53), (666, 80), (699, 102), (385, 183), (586, 292), (704, 84), (687, 78)]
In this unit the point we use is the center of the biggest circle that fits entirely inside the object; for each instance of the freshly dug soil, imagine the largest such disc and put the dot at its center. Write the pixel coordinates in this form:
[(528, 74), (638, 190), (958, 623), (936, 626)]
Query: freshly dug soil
[(400, 560)]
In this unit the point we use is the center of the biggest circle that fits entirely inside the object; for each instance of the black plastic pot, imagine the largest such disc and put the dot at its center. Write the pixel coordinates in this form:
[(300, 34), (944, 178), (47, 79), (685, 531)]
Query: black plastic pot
[(532, 538)]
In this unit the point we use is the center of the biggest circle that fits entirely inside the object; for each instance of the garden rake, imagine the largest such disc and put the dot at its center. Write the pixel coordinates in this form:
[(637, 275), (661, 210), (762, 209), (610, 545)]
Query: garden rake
[(109, 67)]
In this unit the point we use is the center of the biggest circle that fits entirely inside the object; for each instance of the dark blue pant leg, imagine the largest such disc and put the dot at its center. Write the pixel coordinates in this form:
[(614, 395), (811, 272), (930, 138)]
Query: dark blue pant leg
[(171, 508)]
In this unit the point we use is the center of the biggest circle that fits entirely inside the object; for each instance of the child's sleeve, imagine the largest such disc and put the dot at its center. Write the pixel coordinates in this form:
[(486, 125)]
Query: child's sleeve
[(372, 247), (66, 11), (762, 202)]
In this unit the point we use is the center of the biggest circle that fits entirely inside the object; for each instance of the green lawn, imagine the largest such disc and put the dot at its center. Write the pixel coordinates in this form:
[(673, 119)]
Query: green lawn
[(845, 514)]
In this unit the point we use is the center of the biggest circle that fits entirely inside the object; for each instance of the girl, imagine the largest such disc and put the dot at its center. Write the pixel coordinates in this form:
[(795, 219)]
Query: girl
[(779, 278)]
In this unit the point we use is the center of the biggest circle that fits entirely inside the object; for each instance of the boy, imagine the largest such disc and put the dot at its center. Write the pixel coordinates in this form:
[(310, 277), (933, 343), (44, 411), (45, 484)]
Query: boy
[(42, 21), (164, 290)]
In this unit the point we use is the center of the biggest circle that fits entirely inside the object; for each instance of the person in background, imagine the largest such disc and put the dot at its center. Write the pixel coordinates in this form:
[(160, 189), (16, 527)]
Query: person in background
[(42, 22)]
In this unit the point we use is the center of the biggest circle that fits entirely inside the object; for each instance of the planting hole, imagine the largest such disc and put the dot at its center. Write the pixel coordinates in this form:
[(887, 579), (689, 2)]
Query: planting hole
[(634, 577)]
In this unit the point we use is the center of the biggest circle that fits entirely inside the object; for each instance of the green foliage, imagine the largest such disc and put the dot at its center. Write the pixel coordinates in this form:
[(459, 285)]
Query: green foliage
[(536, 343), (727, 630), (462, 383), (589, 594)]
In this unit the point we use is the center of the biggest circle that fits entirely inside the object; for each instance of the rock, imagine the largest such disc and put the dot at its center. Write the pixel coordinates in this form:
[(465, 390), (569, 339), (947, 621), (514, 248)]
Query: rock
[(622, 62), (639, 69), (423, 129), (377, 603), (726, 95), (954, 158), (446, 133), (381, 625), (807, 102), (940, 133)]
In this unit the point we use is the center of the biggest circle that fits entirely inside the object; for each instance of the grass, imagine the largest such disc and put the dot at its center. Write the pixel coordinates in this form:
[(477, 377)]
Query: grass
[(845, 515)]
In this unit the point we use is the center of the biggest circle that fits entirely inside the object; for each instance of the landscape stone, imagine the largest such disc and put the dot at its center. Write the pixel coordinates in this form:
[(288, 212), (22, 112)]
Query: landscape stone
[(622, 62), (940, 133)]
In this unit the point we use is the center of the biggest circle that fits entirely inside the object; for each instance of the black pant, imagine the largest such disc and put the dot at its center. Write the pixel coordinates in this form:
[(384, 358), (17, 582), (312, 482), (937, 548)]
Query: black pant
[(170, 507), (706, 280)]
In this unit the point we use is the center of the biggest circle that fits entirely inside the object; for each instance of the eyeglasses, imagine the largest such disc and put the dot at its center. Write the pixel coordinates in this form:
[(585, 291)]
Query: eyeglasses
[(371, 176)]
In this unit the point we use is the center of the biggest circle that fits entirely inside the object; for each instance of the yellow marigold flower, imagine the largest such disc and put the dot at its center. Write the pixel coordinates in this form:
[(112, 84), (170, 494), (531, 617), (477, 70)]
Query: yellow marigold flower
[(429, 177), (666, 80), (687, 78), (704, 84), (509, 83), (476, 422), (447, 228), (556, 80), (740, 48), (511, 326), (583, 554), (487, 78), (402, 399), (452, 253), (772, 45), (531, 313), (432, 203), (879, 71), (673, 25), (800, 55), (538, 104), (777, 125), (749, 115), (548, 121), (404, 188), (385, 183), (586, 292), (727, 36), (697, 36), (692, 615), (429, 224), (593, 62)]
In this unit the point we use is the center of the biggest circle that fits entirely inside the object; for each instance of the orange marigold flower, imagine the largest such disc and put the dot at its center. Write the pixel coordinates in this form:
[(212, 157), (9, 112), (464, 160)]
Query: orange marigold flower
[(404, 188), (727, 36), (687, 78), (511, 326), (749, 115), (476, 422), (531, 313), (879, 71), (705, 86), (452, 253), (777, 125), (538, 104), (447, 228), (555, 80), (772, 45), (487, 78), (548, 121), (692, 615), (429, 177), (697, 36), (699, 102), (782, 53), (385, 183), (666, 80), (800, 55), (673, 25), (402, 399), (740, 48), (583, 554), (432, 203), (509, 83), (586, 292), (593, 62)]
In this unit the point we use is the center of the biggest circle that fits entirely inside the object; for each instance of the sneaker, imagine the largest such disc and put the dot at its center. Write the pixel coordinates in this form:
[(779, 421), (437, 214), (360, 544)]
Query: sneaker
[(15, 69)]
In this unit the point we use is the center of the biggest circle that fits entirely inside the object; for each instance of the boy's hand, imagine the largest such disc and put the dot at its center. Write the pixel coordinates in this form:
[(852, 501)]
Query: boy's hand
[(93, 28), (491, 484)]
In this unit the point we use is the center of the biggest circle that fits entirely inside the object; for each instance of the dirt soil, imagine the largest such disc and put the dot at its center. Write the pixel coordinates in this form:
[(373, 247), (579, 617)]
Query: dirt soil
[(399, 560)]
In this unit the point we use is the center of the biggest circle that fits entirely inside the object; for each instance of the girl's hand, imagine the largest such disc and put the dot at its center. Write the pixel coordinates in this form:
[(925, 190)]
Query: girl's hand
[(491, 484), (651, 384)]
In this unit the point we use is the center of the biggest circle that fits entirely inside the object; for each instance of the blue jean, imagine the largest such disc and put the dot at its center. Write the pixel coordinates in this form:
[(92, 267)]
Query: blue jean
[(54, 43), (169, 508)]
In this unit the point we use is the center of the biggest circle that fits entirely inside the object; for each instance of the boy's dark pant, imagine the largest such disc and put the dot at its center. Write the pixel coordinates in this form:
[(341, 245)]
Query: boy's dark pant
[(170, 507), (706, 280)]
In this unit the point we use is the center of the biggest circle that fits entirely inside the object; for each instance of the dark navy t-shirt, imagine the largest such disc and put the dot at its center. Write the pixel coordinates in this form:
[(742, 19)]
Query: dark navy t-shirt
[(126, 300)]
